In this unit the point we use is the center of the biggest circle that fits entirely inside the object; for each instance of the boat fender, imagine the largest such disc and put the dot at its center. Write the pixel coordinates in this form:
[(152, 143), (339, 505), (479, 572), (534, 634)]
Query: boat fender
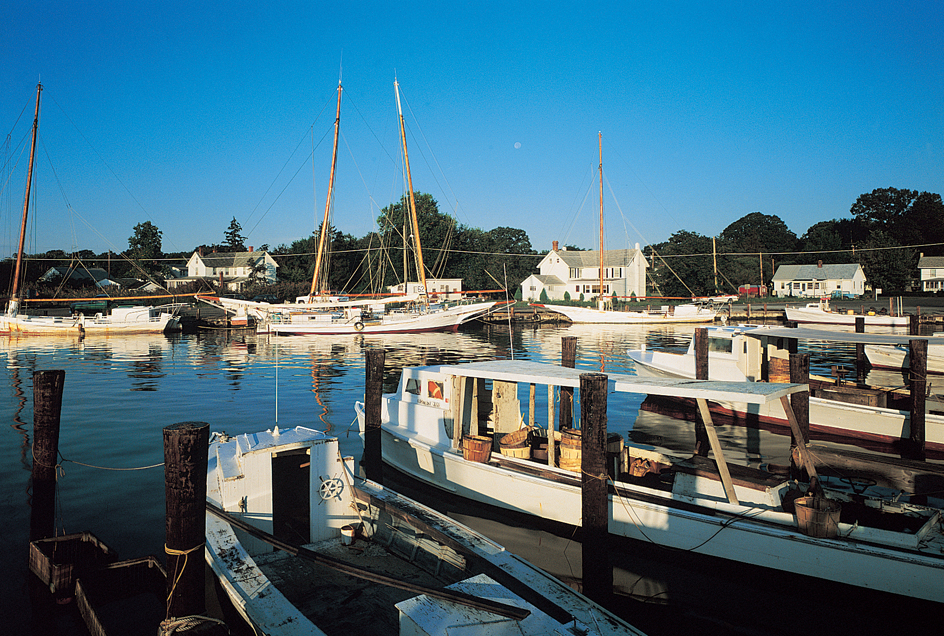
[(359, 326)]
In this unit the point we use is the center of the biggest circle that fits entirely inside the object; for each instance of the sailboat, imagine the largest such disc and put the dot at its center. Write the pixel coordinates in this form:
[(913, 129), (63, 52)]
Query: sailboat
[(124, 320), (322, 314), (604, 315)]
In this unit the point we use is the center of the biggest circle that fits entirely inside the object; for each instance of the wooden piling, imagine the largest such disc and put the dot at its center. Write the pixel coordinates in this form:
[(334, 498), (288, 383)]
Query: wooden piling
[(47, 407), (918, 351), (185, 483), (800, 374), (914, 324), (569, 360), (862, 363), (702, 443), (373, 457), (597, 570)]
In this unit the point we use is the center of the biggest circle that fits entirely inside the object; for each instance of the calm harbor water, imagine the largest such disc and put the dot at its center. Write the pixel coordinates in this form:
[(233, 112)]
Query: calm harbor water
[(120, 393)]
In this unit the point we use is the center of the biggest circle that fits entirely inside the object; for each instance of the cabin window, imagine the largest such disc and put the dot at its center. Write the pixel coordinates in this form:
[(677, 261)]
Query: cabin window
[(413, 386), (722, 345)]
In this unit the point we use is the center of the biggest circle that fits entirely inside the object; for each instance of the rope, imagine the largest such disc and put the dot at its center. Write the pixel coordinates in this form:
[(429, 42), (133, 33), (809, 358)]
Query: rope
[(186, 623), (185, 554)]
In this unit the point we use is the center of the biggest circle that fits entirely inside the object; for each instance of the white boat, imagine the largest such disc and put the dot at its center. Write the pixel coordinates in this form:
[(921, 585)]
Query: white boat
[(699, 505), (354, 556), (899, 356), (819, 312), (120, 320), (685, 313), (735, 355)]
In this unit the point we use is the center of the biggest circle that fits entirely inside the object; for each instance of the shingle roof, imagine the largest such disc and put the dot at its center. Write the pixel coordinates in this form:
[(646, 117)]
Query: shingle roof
[(591, 258), (841, 271), (927, 262), (230, 259), (548, 279)]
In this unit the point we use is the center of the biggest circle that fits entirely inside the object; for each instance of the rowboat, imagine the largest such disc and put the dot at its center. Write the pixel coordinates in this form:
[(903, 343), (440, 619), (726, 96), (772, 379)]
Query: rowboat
[(695, 504), (820, 312), (355, 557)]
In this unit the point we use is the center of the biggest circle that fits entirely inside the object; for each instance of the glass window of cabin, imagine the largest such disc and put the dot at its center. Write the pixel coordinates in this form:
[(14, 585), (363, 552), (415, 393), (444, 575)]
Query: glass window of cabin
[(722, 345), (413, 386)]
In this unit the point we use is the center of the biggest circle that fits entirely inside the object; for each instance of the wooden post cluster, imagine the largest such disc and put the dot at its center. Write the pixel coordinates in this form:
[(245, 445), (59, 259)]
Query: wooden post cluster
[(862, 363), (185, 484), (702, 443), (47, 408), (914, 324), (800, 374), (597, 570), (373, 457)]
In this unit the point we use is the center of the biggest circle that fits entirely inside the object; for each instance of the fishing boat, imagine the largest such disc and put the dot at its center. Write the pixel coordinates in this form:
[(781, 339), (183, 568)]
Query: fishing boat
[(601, 314), (695, 504), (898, 356), (820, 312), (838, 411), (120, 320), (302, 546)]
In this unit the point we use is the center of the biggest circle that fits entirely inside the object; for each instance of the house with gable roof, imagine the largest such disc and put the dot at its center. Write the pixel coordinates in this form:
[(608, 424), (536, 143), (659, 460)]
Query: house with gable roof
[(931, 272), (578, 272), (818, 280), (228, 271)]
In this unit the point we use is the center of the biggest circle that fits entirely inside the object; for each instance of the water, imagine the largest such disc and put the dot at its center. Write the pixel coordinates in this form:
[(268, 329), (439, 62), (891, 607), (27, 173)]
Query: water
[(121, 392)]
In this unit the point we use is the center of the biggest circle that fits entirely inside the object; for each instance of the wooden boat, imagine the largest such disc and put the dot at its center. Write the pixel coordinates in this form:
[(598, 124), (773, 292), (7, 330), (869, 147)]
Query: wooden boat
[(819, 312), (322, 314), (140, 319), (837, 411), (897, 356), (601, 315), (709, 507), (353, 556)]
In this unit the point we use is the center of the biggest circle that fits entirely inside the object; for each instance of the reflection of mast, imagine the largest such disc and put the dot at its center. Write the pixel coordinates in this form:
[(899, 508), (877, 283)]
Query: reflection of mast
[(324, 224), (15, 292), (421, 271)]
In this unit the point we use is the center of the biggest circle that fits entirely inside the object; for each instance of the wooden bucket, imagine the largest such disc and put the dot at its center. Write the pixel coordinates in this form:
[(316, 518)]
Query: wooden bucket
[(818, 517), (614, 443), (477, 448), (569, 463), (570, 437), (521, 451), (570, 452), (517, 438)]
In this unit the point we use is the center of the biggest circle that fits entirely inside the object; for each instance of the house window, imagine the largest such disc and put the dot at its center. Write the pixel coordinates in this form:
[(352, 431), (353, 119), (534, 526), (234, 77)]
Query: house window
[(933, 273), (574, 273)]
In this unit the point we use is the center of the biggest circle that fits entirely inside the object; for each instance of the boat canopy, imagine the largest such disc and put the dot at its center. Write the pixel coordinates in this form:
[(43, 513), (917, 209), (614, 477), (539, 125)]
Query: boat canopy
[(543, 373)]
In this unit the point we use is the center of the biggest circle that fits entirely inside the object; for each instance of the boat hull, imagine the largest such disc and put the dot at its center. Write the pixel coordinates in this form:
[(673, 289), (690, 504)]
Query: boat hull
[(891, 357), (818, 316), (585, 315), (406, 322)]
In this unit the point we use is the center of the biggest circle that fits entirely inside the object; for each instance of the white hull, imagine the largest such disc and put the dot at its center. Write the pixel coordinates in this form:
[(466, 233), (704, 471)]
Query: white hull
[(240, 482), (308, 323), (817, 315), (694, 517), (892, 357), (122, 320), (587, 315), (828, 417)]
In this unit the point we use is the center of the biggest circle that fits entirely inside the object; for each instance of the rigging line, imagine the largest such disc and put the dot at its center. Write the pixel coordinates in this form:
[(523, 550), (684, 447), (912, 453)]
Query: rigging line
[(102, 159), (646, 187), (310, 129), (22, 151), (577, 212), (360, 174)]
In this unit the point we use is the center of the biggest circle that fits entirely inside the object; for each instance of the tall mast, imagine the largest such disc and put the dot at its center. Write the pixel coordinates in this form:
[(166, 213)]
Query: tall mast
[(323, 239), (714, 258), (15, 293), (600, 300), (421, 271)]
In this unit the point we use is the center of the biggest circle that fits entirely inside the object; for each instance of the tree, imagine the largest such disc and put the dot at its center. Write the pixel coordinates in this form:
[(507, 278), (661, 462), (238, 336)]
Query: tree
[(437, 234), (908, 217), (886, 267), (682, 266), (145, 247), (234, 241)]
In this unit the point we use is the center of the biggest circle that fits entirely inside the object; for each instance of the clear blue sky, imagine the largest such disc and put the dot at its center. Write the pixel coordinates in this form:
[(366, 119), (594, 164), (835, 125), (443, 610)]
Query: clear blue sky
[(185, 114)]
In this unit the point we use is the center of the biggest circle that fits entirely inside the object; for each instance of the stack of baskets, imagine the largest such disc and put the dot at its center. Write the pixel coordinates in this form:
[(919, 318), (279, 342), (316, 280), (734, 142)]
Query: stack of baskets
[(517, 444)]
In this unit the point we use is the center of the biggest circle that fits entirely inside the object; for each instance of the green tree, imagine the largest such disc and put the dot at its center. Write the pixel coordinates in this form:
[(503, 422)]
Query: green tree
[(907, 216), (682, 266), (885, 266), (145, 247), (437, 235), (234, 241)]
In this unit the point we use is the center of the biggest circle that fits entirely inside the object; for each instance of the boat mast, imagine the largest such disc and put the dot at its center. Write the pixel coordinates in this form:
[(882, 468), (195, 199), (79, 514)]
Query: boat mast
[(601, 303), (323, 239), (421, 271), (15, 292), (714, 258)]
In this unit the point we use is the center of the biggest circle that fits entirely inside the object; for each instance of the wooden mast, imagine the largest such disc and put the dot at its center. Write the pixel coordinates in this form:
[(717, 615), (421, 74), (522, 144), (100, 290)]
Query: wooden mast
[(421, 271), (15, 292), (601, 302), (323, 239)]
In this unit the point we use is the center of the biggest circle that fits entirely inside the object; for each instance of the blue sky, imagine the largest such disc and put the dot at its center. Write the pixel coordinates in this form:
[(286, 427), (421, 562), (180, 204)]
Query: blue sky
[(190, 114)]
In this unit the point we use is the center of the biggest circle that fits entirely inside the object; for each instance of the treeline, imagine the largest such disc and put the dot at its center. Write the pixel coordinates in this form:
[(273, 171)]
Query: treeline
[(884, 235)]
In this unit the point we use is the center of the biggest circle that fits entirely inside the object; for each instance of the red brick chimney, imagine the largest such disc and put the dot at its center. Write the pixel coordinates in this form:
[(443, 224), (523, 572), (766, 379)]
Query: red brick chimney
[(554, 245), (819, 264), (250, 249)]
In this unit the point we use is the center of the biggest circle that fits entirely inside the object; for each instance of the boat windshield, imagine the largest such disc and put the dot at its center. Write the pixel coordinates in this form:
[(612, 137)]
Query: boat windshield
[(722, 345)]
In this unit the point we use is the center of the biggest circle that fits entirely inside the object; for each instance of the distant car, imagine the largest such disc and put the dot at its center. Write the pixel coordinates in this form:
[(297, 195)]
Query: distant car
[(841, 295), (266, 298)]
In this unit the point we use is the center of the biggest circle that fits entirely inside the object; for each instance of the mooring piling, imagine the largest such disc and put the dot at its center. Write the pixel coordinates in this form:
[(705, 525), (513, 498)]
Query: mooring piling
[(800, 402), (597, 569), (47, 408), (186, 445), (373, 391), (918, 373), (702, 443), (569, 360)]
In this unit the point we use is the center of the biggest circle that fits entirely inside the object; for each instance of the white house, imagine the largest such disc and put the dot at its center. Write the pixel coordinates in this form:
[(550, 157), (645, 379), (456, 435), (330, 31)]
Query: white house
[(815, 281), (567, 271), (80, 276), (931, 272), (437, 288), (230, 271)]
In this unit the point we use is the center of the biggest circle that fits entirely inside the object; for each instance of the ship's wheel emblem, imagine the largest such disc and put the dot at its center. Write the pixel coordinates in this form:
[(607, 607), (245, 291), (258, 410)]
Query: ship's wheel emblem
[(330, 488)]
